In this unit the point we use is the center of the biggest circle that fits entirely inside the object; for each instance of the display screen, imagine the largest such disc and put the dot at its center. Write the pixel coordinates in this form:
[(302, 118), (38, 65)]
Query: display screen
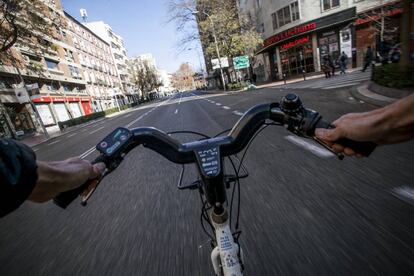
[(114, 141)]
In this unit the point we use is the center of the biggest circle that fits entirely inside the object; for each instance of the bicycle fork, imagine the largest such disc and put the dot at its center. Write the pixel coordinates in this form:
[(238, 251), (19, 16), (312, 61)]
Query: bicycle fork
[(225, 256)]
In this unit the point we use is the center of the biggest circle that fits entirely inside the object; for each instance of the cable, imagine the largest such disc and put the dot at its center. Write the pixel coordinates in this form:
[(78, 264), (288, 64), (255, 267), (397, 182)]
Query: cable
[(224, 131), (234, 189), (189, 132)]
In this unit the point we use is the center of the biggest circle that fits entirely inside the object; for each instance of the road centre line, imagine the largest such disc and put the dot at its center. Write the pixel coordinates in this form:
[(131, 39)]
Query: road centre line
[(54, 142), (176, 111), (71, 135), (404, 193), (238, 113), (218, 104), (86, 153), (96, 130), (226, 107), (316, 150)]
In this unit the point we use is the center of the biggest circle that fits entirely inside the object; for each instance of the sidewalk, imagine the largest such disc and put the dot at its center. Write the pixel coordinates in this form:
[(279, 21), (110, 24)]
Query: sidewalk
[(55, 132), (377, 95)]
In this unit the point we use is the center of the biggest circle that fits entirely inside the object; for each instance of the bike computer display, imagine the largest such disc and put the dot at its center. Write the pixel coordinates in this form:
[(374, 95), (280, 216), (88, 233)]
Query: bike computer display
[(114, 142)]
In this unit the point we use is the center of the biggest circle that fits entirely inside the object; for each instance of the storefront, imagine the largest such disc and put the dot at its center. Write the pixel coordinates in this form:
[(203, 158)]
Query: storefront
[(368, 29), (299, 50), (58, 109)]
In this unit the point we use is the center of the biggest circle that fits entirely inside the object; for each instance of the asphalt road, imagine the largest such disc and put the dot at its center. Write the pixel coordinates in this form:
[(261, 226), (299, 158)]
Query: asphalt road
[(303, 212)]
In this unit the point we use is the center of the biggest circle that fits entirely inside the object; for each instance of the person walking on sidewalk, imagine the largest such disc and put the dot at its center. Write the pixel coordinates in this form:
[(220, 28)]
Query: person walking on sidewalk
[(343, 60), (331, 64), (325, 67), (368, 58)]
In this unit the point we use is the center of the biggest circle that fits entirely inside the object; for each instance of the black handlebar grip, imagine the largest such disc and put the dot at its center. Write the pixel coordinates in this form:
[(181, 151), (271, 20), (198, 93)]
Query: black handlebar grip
[(64, 199), (363, 148)]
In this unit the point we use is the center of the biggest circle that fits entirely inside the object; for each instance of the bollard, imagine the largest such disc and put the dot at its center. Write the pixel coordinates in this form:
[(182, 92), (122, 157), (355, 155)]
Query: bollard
[(304, 74), (284, 78)]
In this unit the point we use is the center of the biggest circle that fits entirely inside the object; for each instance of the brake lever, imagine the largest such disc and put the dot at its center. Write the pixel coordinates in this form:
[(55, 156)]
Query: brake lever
[(326, 146)]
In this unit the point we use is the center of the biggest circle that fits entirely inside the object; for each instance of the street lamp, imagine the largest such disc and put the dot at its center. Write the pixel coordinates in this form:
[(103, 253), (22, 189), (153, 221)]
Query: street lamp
[(215, 42)]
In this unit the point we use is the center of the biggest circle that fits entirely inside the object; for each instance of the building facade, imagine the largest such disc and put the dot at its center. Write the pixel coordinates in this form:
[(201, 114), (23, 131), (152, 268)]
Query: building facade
[(119, 54), (98, 66), (61, 85), (298, 34)]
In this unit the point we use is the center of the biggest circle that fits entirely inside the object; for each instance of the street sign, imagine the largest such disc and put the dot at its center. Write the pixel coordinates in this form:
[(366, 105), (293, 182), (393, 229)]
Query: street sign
[(241, 62), (22, 95), (216, 65)]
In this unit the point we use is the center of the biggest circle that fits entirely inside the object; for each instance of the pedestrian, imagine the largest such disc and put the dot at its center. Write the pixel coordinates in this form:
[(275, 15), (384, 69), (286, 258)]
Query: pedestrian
[(254, 77), (343, 60), (368, 58), (325, 67), (331, 65)]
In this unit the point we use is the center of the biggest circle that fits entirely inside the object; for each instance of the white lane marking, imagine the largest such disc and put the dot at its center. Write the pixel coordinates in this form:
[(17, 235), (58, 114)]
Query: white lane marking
[(212, 102), (238, 113), (404, 193), (351, 98), (54, 142), (128, 115), (226, 107), (181, 96), (96, 130), (176, 111), (71, 135), (86, 153), (218, 104), (35, 150), (361, 101), (318, 151), (146, 113)]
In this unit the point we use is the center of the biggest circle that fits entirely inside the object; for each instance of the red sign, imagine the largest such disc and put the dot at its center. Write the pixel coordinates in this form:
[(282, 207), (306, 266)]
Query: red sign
[(289, 33), (60, 99), (295, 42), (375, 17)]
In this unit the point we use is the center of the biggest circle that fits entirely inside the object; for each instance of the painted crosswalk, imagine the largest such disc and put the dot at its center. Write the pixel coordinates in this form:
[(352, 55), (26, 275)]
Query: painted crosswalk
[(334, 82)]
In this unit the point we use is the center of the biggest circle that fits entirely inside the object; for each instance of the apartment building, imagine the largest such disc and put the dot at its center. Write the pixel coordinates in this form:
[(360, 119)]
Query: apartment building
[(298, 34), (62, 94), (98, 66), (119, 54)]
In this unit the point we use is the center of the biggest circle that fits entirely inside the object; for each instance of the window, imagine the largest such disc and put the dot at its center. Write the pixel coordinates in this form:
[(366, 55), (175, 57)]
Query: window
[(286, 15), (52, 64), (274, 21), (294, 8), (280, 21), (330, 4), (66, 88), (52, 87)]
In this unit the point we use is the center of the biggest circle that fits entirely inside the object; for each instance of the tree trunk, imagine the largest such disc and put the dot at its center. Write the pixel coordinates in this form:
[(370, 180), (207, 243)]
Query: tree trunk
[(405, 36)]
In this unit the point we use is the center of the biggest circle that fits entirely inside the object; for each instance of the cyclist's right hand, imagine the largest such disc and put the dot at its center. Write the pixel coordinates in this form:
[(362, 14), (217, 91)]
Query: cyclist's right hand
[(354, 126)]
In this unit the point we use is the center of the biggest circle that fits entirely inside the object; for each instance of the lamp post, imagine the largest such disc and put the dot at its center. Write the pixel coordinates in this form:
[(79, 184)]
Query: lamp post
[(215, 43)]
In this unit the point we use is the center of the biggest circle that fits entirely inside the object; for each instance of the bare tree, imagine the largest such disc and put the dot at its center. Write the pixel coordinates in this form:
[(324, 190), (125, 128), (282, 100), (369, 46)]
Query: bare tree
[(146, 78), (183, 79), (236, 35)]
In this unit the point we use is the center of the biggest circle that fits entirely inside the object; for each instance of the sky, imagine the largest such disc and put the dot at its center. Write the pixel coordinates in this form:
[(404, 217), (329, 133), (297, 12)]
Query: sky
[(142, 25)]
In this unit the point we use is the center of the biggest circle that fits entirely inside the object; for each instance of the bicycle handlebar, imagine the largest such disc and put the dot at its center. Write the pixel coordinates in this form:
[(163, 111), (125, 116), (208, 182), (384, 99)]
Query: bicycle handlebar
[(289, 112)]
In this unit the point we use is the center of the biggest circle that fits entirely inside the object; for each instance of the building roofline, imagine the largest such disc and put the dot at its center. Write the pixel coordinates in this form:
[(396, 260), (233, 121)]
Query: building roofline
[(85, 27)]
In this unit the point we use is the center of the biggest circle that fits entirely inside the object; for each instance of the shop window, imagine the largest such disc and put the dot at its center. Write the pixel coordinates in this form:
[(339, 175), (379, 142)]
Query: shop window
[(330, 4), (52, 64)]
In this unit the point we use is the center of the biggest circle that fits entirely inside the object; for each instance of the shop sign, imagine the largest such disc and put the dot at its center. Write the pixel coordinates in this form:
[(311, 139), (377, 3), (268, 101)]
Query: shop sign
[(241, 62), (376, 17), (289, 33), (60, 99), (295, 42), (346, 42), (216, 65)]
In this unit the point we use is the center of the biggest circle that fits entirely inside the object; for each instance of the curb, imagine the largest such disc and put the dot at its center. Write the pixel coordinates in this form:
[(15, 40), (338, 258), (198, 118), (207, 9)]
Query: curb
[(362, 92)]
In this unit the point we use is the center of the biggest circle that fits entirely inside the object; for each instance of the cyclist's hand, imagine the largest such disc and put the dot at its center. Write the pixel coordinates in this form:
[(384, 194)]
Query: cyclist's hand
[(57, 177), (354, 126)]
